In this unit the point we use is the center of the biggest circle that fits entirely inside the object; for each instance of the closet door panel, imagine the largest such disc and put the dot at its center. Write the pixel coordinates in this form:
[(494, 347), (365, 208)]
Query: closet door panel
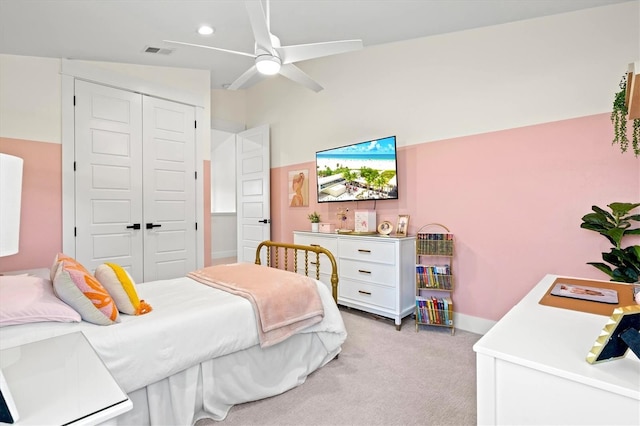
[(170, 189), (108, 149)]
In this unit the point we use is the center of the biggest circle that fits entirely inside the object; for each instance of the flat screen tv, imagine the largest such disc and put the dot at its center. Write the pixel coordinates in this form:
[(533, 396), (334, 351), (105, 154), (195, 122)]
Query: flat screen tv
[(358, 172)]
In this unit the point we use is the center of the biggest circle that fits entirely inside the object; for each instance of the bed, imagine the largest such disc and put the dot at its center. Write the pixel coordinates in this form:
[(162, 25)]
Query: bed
[(198, 352)]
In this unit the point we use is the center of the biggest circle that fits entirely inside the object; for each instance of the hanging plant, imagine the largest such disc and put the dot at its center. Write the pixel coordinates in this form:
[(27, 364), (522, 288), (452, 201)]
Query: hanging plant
[(619, 120)]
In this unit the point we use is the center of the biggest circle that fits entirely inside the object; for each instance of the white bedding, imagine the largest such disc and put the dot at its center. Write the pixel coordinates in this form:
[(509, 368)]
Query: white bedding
[(190, 325)]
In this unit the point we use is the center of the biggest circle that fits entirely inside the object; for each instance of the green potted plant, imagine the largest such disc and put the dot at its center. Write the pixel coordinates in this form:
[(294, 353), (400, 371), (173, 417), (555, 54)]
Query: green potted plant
[(315, 220), (623, 262), (619, 120)]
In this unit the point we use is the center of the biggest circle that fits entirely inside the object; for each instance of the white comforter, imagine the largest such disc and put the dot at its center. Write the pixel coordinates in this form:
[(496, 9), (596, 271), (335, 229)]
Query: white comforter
[(190, 323)]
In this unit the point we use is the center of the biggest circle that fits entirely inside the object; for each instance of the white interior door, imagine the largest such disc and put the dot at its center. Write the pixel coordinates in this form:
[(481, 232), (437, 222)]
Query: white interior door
[(170, 189), (253, 191), (135, 182), (108, 179)]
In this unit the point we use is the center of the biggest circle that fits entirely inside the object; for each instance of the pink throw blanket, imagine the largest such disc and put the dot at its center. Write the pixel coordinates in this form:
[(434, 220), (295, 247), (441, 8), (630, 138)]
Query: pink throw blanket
[(284, 302)]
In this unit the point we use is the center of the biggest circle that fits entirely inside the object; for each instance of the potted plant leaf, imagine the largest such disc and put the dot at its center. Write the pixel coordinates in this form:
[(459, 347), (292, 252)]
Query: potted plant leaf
[(315, 220), (619, 115), (622, 263)]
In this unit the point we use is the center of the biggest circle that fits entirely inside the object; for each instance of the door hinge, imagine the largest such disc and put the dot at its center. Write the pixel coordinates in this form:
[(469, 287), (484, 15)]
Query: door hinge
[(196, 174), (74, 100), (196, 226), (75, 231), (74, 166), (195, 124)]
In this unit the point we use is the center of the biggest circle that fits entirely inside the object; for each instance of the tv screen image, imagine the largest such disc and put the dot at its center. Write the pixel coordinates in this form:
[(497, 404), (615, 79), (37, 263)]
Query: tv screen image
[(358, 172)]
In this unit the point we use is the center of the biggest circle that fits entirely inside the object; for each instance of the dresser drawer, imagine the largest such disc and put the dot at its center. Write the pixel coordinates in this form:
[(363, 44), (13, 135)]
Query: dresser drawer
[(330, 243), (367, 294), (372, 251), (370, 272)]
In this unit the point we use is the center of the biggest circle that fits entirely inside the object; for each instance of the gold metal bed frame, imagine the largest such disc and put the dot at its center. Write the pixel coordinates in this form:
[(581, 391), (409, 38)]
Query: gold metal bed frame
[(273, 260)]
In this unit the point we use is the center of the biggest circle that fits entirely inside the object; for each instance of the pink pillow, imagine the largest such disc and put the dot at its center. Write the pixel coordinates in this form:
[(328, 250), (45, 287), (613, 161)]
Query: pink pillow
[(31, 299)]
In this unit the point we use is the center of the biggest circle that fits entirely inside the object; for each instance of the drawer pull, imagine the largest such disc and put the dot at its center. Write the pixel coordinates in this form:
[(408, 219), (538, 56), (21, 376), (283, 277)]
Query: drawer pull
[(368, 293), (364, 251), (363, 271)]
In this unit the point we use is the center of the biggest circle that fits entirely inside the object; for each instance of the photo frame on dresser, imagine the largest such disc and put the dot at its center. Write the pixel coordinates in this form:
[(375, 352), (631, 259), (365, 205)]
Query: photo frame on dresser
[(620, 333), (403, 225)]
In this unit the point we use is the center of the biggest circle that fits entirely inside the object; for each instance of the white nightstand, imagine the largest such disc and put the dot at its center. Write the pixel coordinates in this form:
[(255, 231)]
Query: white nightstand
[(61, 380)]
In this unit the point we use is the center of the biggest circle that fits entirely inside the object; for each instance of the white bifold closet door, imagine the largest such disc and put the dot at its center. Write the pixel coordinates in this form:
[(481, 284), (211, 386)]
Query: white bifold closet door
[(135, 182)]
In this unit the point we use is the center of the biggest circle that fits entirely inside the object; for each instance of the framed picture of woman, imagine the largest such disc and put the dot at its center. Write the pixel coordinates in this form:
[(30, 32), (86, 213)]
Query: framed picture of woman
[(298, 188), (403, 225)]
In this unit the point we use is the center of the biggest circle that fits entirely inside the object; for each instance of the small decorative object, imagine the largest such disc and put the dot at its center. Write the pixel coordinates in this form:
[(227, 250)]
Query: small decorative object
[(385, 228), (403, 225), (326, 228), (619, 120), (365, 221), (620, 333), (299, 189), (342, 217), (315, 221), (614, 226)]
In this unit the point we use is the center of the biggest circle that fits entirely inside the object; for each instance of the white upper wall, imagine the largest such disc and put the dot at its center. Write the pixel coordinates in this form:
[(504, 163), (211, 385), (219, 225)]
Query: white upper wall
[(30, 98), (30, 94), (452, 85)]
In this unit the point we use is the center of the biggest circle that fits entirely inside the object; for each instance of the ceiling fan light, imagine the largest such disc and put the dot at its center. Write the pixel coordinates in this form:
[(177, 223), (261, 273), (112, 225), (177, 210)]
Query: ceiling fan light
[(268, 64)]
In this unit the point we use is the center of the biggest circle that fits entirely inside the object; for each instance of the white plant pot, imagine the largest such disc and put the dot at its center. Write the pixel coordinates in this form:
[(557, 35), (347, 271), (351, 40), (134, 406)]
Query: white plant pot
[(315, 227)]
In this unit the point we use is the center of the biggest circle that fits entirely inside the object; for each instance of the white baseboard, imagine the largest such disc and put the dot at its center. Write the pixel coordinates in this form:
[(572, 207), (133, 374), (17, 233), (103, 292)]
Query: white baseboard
[(223, 254), (472, 324)]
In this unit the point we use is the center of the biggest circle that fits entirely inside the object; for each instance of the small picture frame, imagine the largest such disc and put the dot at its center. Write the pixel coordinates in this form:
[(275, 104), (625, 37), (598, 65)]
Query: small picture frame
[(403, 225), (618, 335)]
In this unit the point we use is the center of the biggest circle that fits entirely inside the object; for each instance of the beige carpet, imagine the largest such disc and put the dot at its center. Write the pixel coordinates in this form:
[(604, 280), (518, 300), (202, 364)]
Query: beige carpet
[(382, 377)]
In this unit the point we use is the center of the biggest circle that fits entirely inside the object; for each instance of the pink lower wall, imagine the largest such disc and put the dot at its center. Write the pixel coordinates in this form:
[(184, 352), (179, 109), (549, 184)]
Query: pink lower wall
[(514, 200), (41, 213), (206, 178)]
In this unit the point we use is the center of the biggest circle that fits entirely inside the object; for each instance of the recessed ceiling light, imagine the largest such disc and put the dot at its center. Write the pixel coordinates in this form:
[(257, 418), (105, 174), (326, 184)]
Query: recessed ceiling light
[(206, 30)]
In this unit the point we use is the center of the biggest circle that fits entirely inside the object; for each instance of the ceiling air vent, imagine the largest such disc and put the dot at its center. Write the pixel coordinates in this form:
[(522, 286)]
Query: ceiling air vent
[(158, 50)]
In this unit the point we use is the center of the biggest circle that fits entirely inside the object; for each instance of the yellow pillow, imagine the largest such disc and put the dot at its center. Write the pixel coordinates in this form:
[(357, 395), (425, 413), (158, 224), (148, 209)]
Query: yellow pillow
[(121, 287)]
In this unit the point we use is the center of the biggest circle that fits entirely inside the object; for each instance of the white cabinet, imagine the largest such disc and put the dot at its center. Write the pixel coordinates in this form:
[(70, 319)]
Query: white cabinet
[(532, 369), (375, 272)]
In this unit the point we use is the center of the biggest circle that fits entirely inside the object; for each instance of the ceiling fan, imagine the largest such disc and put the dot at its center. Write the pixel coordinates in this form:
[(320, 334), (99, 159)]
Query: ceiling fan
[(271, 58)]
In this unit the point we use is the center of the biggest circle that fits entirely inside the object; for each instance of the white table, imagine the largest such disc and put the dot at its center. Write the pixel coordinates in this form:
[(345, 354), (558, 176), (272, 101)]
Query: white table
[(532, 369), (61, 380)]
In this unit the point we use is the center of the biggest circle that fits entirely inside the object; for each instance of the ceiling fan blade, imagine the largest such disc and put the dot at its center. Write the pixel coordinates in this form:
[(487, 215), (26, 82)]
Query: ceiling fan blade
[(259, 25), (296, 74), (235, 52), (301, 52), (247, 79)]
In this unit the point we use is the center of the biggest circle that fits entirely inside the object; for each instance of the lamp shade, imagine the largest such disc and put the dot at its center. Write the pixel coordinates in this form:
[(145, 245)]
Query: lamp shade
[(10, 198)]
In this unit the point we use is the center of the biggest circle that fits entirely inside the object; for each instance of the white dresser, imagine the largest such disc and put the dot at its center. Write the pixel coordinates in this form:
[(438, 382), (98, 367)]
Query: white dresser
[(532, 369), (376, 273)]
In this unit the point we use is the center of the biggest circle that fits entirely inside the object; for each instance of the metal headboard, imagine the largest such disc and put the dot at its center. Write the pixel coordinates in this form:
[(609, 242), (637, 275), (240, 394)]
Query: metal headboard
[(273, 260)]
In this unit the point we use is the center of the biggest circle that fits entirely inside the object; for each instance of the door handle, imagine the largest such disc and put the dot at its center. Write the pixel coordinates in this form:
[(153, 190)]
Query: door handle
[(134, 226), (153, 225), (265, 221)]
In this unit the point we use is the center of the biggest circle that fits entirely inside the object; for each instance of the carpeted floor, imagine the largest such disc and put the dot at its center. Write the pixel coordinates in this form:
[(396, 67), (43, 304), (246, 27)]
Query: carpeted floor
[(382, 377)]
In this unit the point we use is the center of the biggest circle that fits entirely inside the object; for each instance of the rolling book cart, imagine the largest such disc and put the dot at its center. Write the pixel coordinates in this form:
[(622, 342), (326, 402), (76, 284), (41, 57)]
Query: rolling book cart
[(434, 276)]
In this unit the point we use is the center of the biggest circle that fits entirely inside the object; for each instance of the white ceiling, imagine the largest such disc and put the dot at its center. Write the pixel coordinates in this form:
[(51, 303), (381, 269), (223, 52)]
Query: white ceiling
[(120, 30)]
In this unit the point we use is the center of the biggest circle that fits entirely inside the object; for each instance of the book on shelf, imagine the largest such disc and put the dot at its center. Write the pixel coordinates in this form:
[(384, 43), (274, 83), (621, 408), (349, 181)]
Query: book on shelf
[(433, 276), (435, 244), (434, 311)]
